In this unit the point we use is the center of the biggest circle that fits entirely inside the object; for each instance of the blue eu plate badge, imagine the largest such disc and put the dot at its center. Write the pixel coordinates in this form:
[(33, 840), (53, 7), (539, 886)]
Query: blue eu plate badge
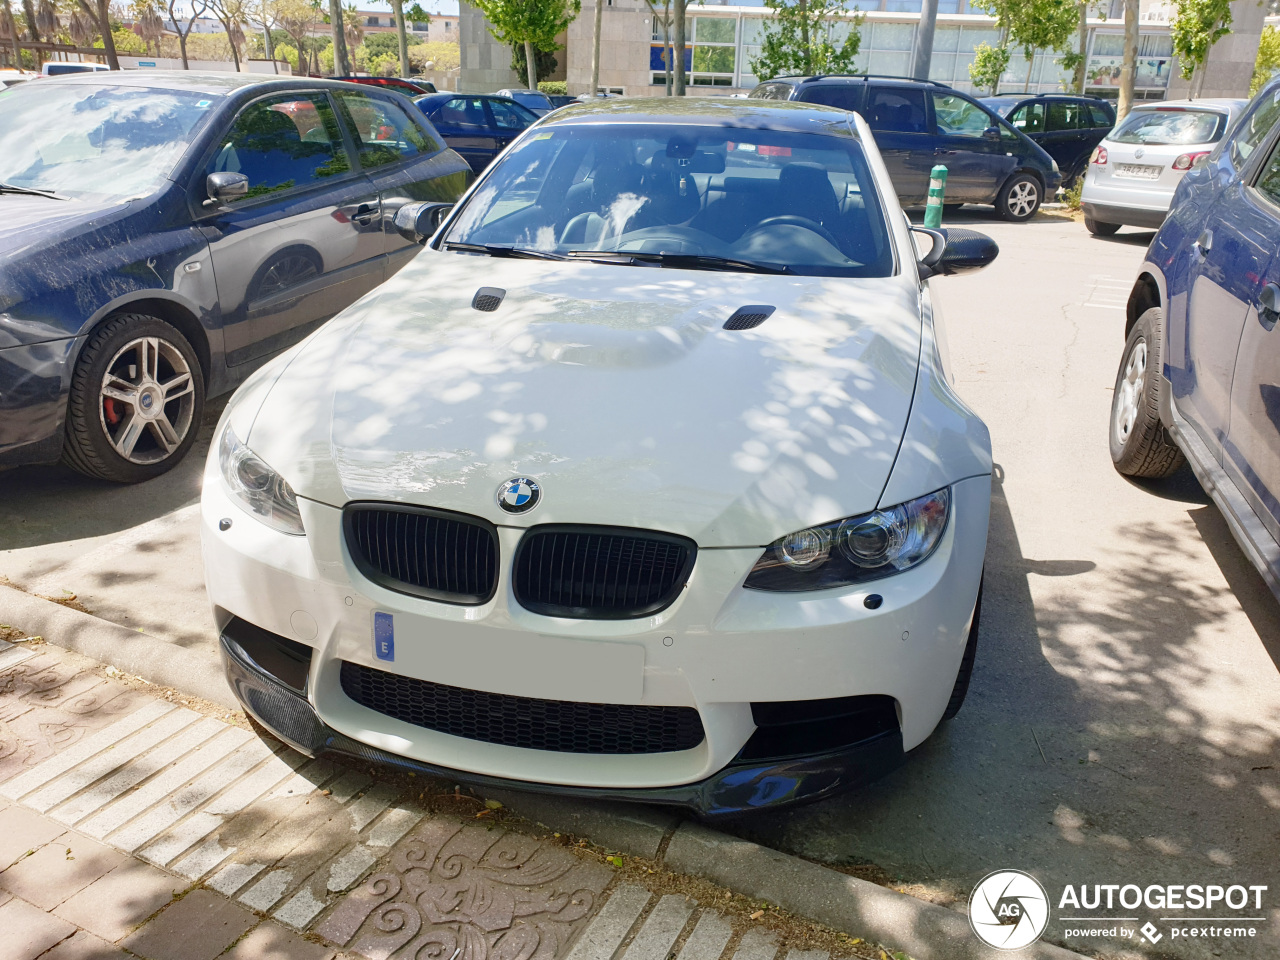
[(384, 637)]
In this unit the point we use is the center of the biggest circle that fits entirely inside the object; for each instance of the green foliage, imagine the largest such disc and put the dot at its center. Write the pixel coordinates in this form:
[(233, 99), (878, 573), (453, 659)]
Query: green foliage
[(1071, 197), (1035, 24), (989, 65), (416, 14), (800, 38), (128, 43), (1268, 59), (554, 88), (1196, 27), (382, 44), (537, 21), (544, 62)]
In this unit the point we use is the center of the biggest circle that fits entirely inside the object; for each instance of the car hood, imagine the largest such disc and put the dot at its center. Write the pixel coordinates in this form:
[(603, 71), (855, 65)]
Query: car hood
[(614, 387), (27, 221)]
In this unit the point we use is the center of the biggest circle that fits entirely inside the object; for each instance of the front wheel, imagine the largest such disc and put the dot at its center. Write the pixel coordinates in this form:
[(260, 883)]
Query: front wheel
[(1140, 446), (1020, 198), (137, 395)]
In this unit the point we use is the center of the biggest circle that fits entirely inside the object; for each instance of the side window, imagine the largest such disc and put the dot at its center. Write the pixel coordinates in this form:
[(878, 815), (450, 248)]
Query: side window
[(1062, 115), (1029, 118), (384, 133), (842, 95), (282, 143), (1255, 129), (508, 116), (463, 110), (897, 109), (1100, 117), (1269, 179), (958, 117), (772, 91)]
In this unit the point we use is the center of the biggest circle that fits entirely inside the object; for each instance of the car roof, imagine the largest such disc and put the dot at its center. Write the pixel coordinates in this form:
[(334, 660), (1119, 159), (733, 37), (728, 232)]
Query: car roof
[(1219, 104), (862, 77), (784, 115), (214, 83)]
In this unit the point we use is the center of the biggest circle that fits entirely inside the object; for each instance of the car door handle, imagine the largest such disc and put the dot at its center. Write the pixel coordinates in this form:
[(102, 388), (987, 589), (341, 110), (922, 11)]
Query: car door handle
[(1204, 243), (1269, 301), (365, 213)]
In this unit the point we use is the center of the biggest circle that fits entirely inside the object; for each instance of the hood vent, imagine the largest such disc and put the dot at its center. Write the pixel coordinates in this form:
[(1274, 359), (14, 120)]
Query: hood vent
[(488, 299), (744, 318)]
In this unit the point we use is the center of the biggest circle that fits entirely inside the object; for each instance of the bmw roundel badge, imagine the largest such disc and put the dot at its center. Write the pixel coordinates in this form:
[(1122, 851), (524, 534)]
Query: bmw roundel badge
[(519, 495)]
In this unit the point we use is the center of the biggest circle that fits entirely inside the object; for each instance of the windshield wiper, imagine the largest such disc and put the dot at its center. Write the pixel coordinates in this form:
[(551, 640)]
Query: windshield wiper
[(31, 191), (687, 261), (501, 250)]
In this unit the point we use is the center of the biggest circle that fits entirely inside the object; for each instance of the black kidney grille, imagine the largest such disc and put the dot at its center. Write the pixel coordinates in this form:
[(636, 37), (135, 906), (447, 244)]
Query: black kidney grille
[(562, 726), (424, 552), (600, 573)]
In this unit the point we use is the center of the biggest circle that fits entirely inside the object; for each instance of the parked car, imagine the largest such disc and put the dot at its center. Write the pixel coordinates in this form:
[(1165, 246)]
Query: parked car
[(1134, 171), (559, 100), (162, 234), (11, 78), (478, 126), (533, 100), (643, 480), (65, 68), (410, 88), (1199, 373), (1068, 128), (920, 123)]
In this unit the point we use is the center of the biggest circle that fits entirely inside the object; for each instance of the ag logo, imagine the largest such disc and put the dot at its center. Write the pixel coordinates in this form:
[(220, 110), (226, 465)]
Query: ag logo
[(1008, 909)]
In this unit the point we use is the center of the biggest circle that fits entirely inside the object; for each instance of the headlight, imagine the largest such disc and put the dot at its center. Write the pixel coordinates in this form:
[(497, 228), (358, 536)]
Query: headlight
[(1055, 165), (854, 550), (258, 488)]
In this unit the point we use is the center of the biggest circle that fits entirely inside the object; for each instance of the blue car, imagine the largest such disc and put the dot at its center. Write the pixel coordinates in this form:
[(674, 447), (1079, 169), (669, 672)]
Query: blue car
[(920, 123), (478, 126), (163, 234), (1200, 377)]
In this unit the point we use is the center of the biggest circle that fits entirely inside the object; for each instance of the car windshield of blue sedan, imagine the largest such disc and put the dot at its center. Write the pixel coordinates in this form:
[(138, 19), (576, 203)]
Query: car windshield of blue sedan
[(94, 142), (682, 196), (1169, 126)]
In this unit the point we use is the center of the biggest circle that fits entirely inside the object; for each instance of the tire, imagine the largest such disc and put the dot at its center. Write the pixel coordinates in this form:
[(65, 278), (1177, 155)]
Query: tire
[(1100, 229), (951, 207), (961, 687), (1019, 198), (1140, 445), (137, 396)]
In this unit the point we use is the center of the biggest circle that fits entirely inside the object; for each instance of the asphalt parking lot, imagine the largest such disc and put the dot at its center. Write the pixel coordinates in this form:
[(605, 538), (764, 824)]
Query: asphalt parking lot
[(1125, 708)]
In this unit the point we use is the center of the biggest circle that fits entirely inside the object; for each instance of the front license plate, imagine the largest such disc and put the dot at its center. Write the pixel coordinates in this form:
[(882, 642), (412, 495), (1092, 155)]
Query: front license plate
[(1139, 171)]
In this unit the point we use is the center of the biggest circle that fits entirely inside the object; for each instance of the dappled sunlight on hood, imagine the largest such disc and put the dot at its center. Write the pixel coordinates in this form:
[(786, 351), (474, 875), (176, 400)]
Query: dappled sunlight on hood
[(631, 407)]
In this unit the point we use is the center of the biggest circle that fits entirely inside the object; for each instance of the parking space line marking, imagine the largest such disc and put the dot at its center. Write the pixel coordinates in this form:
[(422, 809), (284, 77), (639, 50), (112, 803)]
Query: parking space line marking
[(397, 822), (364, 810), (349, 867), (60, 763)]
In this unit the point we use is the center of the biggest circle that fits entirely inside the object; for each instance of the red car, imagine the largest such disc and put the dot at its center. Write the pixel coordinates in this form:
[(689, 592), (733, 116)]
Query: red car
[(410, 88)]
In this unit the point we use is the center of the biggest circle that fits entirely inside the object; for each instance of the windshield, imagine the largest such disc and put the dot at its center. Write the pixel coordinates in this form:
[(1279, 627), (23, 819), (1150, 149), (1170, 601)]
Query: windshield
[(689, 196), (63, 136), (1174, 127)]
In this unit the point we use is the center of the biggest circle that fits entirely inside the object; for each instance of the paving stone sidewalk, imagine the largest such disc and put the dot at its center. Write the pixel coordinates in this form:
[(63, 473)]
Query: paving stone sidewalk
[(130, 825)]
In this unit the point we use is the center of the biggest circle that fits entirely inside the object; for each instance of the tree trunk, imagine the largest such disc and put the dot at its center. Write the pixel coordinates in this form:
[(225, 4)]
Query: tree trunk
[(666, 50), (341, 62), (803, 6), (235, 54), (182, 48), (13, 38), (923, 58), (1129, 69), (1078, 80), (680, 7), (595, 48), (266, 42), (108, 41), (397, 7), (1197, 82), (1031, 62), (530, 65), (29, 14)]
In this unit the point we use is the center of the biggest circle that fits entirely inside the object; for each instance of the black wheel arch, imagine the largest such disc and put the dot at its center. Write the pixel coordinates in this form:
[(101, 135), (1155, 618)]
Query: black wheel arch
[(173, 312), (1144, 295)]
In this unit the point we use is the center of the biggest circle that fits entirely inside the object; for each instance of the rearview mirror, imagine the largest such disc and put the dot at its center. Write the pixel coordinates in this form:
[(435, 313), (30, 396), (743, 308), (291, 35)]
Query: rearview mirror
[(955, 251), (416, 222), (225, 187)]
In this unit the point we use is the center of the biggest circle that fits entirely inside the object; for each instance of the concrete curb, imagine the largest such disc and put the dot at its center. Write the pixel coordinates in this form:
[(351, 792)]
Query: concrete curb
[(140, 654), (924, 930)]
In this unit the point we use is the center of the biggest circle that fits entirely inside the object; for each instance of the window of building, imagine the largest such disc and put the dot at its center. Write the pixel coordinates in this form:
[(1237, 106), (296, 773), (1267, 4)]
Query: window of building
[(371, 22), (420, 27), (714, 51)]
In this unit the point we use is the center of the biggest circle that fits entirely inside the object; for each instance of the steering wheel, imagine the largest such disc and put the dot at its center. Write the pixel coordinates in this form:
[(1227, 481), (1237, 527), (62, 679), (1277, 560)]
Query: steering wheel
[(790, 219)]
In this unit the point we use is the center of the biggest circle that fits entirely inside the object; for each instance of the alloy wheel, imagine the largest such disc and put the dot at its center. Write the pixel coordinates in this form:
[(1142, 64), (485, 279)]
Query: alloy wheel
[(1131, 393), (147, 400), (1023, 199)]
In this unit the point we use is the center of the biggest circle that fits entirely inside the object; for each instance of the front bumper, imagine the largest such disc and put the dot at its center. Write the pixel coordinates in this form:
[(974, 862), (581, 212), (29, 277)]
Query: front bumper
[(741, 787), (34, 379)]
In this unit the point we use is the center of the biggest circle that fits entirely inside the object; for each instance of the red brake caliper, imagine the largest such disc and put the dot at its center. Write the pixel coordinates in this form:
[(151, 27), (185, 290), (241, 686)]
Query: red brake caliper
[(109, 409)]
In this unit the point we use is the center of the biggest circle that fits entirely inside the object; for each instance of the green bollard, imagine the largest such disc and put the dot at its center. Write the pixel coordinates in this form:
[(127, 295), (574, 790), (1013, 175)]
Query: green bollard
[(937, 187)]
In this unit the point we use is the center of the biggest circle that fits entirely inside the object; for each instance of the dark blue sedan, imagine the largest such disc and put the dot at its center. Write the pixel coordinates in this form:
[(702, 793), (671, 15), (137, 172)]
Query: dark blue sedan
[(1200, 376), (161, 235), (478, 126)]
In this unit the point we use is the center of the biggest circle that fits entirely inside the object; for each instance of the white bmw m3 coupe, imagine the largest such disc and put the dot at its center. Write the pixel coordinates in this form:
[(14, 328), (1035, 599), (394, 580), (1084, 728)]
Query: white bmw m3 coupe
[(645, 479)]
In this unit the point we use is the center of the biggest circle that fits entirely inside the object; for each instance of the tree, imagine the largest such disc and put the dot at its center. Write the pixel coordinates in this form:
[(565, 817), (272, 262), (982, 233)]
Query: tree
[(297, 18), (533, 23), (545, 61), (231, 13), (148, 24), (1035, 25), (397, 10), (1129, 66), (596, 27), (663, 18), (1268, 58), (679, 14), (798, 40), (1197, 25), (988, 66), (198, 8), (9, 31)]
